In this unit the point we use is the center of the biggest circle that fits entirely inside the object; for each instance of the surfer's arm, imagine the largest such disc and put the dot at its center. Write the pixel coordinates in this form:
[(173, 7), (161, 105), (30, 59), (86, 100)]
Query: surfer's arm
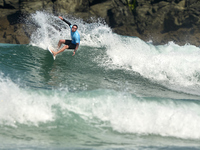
[(77, 45), (65, 20)]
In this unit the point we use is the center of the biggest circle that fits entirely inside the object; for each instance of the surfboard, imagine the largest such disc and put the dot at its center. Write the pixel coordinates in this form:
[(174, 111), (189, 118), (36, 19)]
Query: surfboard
[(51, 48)]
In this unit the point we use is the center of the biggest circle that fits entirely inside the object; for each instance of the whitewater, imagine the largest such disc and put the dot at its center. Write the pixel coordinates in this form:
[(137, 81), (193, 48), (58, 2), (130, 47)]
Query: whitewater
[(117, 92)]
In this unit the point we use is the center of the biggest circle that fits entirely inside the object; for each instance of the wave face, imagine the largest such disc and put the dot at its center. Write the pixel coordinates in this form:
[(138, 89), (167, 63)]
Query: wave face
[(117, 92), (173, 66)]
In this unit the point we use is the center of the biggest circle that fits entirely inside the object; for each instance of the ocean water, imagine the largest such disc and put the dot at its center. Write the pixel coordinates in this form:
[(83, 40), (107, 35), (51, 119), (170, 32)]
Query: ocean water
[(116, 93)]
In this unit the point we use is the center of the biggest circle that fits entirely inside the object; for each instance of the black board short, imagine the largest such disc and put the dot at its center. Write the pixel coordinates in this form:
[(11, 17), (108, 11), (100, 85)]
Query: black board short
[(70, 44)]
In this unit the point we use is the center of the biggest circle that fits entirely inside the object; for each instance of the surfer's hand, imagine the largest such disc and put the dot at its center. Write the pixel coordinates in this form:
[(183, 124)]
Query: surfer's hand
[(61, 17), (73, 53)]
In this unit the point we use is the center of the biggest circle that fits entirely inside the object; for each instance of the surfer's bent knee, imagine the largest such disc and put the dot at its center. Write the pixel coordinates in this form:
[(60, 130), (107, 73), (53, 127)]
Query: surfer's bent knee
[(62, 41), (66, 46)]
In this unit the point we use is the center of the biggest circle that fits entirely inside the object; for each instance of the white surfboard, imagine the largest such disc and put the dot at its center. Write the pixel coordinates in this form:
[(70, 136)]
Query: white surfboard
[(51, 48)]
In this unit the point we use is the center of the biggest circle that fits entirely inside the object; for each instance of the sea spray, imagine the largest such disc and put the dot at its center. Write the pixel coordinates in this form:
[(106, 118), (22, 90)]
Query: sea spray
[(47, 31), (50, 29)]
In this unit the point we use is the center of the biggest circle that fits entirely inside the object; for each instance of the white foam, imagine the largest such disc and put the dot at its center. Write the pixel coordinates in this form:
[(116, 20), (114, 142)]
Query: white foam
[(20, 106), (175, 66), (128, 114), (122, 112)]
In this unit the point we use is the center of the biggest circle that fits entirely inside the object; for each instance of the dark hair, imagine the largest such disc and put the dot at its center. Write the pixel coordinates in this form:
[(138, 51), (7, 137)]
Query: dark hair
[(75, 25)]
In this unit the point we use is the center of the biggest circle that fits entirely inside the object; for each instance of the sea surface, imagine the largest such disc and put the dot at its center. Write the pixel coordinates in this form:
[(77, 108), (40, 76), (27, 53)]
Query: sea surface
[(116, 93)]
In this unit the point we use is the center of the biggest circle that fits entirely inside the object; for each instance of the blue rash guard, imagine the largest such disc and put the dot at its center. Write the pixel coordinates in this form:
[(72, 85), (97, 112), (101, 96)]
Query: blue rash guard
[(75, 36)]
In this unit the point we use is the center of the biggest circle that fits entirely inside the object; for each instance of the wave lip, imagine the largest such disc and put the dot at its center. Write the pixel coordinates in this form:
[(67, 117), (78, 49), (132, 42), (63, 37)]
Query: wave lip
[(176, 67)]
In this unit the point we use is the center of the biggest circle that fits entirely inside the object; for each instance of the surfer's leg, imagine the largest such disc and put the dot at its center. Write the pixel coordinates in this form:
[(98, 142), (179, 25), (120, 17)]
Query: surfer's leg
[(64, 47), (60, 43), (61, 50)]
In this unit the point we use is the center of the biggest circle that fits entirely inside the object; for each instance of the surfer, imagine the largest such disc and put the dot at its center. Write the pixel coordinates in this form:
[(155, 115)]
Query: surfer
[(69, 44)]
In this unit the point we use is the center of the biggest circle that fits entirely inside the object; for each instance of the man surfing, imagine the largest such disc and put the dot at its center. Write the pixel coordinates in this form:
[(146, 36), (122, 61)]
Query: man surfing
[(69, 44)]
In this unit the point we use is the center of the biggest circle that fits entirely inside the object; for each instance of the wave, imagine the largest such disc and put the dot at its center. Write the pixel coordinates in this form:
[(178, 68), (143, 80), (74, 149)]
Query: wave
[(173, 66), (176, 67), (22, 106), (122, 112), (117, 90)]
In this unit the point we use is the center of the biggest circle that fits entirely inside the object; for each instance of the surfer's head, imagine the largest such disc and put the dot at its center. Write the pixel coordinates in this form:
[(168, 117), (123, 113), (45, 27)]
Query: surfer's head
[(74, 28)]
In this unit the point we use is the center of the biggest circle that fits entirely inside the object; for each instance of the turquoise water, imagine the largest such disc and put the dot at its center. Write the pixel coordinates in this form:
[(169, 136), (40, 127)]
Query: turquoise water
[(117, 92)]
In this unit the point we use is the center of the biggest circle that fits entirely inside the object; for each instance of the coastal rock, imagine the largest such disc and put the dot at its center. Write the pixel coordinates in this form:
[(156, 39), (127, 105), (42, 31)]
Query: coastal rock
[(157, 20), (101, 9), (71, 6), (163, 21)]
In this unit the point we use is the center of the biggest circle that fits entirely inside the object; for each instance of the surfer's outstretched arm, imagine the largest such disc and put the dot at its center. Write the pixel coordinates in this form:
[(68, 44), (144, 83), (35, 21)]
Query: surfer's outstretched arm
[(65, 20)]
